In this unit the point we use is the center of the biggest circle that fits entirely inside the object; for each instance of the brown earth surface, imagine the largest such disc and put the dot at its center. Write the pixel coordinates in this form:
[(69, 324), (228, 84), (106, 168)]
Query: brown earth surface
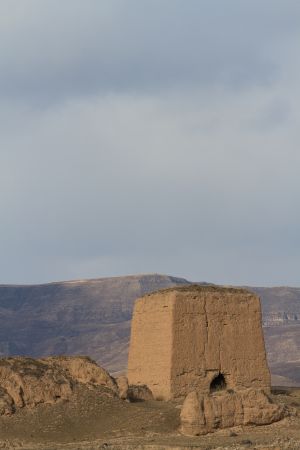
[(93, 419), (92, 317)]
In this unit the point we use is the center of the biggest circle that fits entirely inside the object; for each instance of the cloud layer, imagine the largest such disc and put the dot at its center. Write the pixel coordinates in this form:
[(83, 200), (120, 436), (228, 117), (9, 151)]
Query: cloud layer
[(146, 136)]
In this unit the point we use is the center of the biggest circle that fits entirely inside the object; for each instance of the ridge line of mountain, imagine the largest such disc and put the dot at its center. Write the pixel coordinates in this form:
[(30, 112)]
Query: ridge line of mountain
[(92, 317)]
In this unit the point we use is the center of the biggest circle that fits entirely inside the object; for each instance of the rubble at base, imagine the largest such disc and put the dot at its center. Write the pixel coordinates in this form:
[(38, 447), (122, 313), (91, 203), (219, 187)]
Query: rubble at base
[(202, 414)]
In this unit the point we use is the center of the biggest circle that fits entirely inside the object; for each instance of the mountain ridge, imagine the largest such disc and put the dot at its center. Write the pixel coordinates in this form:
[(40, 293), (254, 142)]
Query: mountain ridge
[(92, 316)]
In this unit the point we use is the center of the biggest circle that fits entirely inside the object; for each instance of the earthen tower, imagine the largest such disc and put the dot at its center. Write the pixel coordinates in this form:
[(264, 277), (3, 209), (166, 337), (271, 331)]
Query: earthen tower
[(201, 338)]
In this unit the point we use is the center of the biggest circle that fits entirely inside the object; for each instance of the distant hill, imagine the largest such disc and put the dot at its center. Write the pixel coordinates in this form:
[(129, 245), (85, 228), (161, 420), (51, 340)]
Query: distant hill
[(92, 317), (281, 319), (86, 317)]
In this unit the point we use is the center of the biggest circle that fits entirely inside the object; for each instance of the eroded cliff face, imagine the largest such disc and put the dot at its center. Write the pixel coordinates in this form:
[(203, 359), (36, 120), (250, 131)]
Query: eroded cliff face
[(185, 338), (27, 382)]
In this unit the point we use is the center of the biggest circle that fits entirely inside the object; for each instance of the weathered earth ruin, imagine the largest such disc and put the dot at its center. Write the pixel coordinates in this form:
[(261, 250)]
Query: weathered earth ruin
[(203, 414), (27, 382), (197, 338)]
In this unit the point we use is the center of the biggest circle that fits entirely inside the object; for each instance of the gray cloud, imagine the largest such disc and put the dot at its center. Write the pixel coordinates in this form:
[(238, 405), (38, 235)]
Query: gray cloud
[(54, 49), (146, 136)]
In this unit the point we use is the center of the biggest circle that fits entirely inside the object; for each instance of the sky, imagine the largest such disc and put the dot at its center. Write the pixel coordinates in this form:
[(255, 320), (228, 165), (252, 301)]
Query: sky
[(142, 136)]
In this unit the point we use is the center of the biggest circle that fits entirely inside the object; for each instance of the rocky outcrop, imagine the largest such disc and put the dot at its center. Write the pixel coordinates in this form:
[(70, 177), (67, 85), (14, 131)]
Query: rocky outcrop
[(202, 414), (197, 338), (7, 406), (28, 382)]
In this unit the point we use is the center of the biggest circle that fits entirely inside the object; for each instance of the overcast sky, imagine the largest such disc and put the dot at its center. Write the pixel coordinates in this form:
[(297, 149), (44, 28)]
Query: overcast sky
[(150, 136)]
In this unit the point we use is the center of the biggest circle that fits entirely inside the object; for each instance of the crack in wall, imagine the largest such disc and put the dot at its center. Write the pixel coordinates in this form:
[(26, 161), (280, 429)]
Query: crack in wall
[(206, 329)]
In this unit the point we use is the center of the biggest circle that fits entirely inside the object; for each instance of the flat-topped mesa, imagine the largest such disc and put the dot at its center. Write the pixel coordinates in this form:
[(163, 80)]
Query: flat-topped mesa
[(202, 338)]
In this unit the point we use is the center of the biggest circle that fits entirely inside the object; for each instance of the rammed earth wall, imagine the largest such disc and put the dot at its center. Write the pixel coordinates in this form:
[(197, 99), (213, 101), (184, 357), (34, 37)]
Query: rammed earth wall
[(183, 338)]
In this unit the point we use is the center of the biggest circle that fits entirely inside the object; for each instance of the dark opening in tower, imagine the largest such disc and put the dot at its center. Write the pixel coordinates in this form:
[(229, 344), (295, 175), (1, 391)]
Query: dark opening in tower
[(218, 383)]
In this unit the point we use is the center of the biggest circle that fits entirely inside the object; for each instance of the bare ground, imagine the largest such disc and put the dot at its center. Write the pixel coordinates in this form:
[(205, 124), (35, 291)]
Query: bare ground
[(96, 420)]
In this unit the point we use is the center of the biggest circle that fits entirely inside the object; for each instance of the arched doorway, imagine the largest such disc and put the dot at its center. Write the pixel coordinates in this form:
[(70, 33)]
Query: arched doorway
[(218, 383)]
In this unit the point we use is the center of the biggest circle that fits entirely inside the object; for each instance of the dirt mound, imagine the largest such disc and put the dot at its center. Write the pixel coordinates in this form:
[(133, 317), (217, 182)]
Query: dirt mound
[(202, 414), (29, 382), (84, 370)]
